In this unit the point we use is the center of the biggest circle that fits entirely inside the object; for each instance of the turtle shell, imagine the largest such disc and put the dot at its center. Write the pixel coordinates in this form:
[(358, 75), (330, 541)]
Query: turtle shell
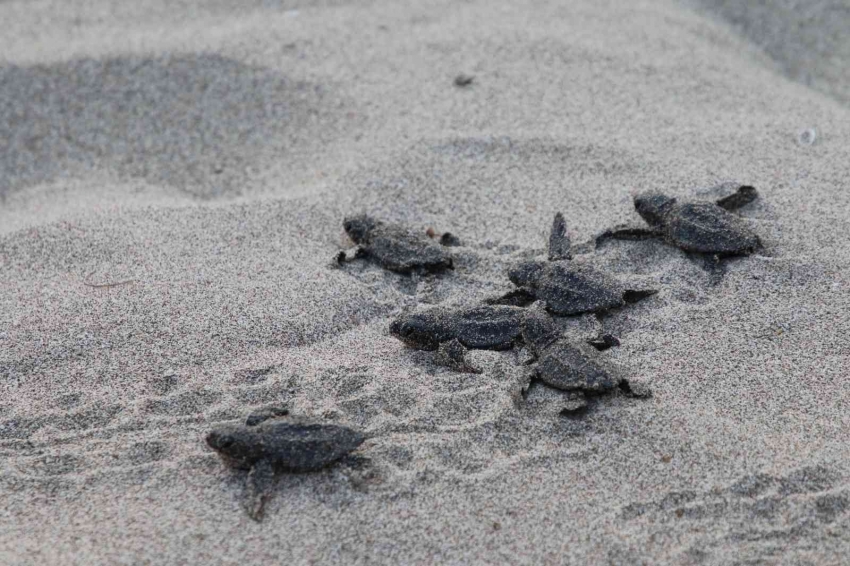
[(289, 444), (397, 248), (488, 327), (569, 289), (574, 367), (707, 228)]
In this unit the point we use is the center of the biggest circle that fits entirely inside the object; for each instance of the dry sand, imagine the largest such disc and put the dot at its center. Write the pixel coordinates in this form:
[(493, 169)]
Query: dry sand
[(173, 177)]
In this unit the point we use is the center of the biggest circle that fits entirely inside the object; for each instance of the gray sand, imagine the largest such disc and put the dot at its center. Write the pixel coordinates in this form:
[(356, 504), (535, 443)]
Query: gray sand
[(173, 180)]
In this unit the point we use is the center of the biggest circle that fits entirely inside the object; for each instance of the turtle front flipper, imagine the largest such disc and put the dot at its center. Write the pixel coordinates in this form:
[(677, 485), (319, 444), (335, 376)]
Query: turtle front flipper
[(452, 354), (517, 298), (344, 256), (742, 197), (627, 233), (631, 296), (712, 264), (265, 413), (559, 241), (258, 489), (604, 342)]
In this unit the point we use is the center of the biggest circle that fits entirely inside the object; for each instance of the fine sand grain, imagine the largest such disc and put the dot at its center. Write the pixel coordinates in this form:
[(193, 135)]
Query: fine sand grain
[(173, 179)]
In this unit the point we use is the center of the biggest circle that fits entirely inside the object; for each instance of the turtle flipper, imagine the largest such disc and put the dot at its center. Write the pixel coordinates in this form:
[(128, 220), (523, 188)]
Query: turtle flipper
[(742, 197), (604, 342), (559, 241), (712, 264), (452, 354), (517, 298), (632, 296), (258, 489), (265, 413), (448, 239), (343, 257), (627, 233)]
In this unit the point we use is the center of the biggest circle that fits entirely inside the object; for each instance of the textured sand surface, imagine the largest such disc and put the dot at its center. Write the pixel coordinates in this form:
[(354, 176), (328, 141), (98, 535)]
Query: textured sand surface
[(173, 178)]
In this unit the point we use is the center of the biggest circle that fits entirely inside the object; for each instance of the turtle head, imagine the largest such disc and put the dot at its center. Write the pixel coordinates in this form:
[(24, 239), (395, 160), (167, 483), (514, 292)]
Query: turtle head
[(653, 206), (524, 273), (358, 227), (235, 443), (423, 331)]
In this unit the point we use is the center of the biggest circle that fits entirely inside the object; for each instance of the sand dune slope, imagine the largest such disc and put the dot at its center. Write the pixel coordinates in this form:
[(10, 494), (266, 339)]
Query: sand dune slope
[(172, 187)]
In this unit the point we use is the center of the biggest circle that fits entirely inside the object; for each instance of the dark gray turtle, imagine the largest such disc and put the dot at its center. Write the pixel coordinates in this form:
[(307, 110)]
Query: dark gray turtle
[(564, 364), (696, 227), (395, 247), (567, 287), (271, 441)]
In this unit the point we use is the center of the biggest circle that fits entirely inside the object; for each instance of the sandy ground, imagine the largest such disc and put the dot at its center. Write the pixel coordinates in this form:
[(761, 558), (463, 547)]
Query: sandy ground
[(173, 178)]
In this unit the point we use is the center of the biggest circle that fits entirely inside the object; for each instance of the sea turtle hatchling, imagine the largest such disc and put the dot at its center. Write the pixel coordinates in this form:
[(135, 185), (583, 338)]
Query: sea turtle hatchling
[(698, 227), (272, 441), (567, 287), (395, 247)]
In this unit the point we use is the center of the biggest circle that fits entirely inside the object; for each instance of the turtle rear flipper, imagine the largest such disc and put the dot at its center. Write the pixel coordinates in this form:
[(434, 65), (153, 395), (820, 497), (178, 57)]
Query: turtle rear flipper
[(265, 413), (712, 264), (258, 489), (452, 354), (604, 342), (517, 298), (623, 232), (742, 197), (559, 241), (632, 296)]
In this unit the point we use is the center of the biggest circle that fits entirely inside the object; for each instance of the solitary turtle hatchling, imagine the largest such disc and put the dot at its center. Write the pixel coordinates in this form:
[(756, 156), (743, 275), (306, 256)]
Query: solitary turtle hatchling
[(567, 287), (395, 247), (697, 227), (271, 441)]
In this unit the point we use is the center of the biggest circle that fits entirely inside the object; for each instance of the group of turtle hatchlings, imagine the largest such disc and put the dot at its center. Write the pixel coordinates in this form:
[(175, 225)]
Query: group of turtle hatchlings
[(271, 440)]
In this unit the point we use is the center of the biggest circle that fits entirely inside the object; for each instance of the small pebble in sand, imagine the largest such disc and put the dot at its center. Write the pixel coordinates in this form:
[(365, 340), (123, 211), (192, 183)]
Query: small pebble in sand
[(446, 239), (464, 80), (575, 406), (807, 136)]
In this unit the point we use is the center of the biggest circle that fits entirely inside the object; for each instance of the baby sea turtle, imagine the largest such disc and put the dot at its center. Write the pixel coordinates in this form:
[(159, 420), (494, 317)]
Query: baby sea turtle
[(567, 287), (395, 247), (562, 363), (453, 331), (697, 227), (272, 441)]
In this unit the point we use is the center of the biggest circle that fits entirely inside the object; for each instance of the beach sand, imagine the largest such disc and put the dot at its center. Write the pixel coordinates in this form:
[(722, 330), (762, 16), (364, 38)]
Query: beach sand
[(173, 179)]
